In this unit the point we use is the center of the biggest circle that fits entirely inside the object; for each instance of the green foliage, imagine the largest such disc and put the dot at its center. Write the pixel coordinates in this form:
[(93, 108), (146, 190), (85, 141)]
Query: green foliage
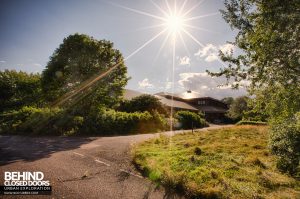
[(219, 163), (79, 59), (268, 35), (189, 120), (18, 89), (45, 121), (143, 103), (109, 121), (278, 101), (249, 122), (237, 108), (228, 100), (30, 120), (285, 142)]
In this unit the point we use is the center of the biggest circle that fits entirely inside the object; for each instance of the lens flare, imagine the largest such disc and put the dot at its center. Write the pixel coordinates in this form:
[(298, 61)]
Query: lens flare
[(174, 23)]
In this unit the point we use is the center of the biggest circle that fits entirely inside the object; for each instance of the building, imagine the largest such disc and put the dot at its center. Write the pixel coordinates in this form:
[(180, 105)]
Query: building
[(213, 109)]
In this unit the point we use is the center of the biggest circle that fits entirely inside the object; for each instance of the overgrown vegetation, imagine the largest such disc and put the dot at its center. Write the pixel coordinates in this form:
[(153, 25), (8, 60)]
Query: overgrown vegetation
[(142, 103), (285, 142), (19, 89), (223, 163), (268, 38), (189, 120), (250, 122), (55, 102)]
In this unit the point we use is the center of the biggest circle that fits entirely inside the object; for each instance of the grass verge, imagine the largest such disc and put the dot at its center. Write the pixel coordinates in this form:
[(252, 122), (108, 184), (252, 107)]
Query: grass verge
[(222, 163)]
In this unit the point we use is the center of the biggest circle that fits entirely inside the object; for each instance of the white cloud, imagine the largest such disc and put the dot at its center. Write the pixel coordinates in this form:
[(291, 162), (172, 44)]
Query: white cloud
[(2, 62), (206, 85), (211, 58), (184, 60), (145, 84), (227, 48), (210, 52)]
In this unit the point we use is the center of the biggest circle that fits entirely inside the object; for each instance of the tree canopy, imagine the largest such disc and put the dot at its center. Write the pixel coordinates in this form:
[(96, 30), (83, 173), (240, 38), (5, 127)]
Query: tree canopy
[(79, 58), (237, 108), (143, 103), (269, 37)]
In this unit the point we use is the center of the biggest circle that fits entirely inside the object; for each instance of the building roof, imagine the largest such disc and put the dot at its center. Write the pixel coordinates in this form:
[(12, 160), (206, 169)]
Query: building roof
[(175, 103), (129, 94)]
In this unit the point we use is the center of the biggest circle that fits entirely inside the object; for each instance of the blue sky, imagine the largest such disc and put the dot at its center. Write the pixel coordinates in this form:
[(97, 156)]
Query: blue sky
[(31, 30)]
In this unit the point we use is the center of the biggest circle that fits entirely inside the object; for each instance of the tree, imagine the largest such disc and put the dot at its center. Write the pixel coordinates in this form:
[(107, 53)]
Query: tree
[(143, 103), (18, 89), (228, 100), (268, 34), (237, 108), (78, 59)]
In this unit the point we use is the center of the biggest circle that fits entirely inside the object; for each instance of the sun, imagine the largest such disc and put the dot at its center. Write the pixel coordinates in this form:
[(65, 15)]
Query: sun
[(174, 23)]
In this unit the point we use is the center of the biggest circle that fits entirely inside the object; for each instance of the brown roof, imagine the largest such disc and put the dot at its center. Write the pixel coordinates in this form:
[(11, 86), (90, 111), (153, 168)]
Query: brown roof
[(175, 103), (129, 94)]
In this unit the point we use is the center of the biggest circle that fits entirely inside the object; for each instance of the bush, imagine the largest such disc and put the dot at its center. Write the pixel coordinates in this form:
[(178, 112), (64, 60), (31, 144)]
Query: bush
[(108, 122), (43, 121), (249, 122), (188, 120), (285, 142), (143, 103), (18, 89)]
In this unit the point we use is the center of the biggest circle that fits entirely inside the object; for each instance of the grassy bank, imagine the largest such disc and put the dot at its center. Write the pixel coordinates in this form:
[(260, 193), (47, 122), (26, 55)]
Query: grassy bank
[(223, 163)]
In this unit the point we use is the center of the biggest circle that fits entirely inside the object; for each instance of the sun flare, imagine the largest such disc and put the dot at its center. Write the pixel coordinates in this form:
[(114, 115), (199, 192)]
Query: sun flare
[(174, 23)]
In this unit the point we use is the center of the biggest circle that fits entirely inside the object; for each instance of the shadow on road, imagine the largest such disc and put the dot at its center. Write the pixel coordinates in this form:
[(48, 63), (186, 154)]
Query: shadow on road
[(16, 148)]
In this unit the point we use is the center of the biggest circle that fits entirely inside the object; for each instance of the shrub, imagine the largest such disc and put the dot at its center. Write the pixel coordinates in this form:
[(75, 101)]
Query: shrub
[(188, 120), (18, 89), (42, 121), (45, 121), (143, 103), (108, 121), (249, 122), (285, 142)]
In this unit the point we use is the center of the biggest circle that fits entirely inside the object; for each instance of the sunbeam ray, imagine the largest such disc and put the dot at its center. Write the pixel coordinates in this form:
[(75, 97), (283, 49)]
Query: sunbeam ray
[(159, 8), (182, 7), (198, 28), (161, 47), (198, 42), (175, 7), (192, 8), (201, 16), (145, 44), (169, 8), (184, 45), (149, 27), (139, 11), (173, 80), (192, 37)]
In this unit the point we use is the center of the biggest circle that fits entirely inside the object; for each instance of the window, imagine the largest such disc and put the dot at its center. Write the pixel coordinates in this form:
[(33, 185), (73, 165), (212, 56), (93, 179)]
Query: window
[(201, 102)]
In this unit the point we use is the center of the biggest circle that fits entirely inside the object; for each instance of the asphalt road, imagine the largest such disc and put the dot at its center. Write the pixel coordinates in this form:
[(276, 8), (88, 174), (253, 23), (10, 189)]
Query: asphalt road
[(81, 167)]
